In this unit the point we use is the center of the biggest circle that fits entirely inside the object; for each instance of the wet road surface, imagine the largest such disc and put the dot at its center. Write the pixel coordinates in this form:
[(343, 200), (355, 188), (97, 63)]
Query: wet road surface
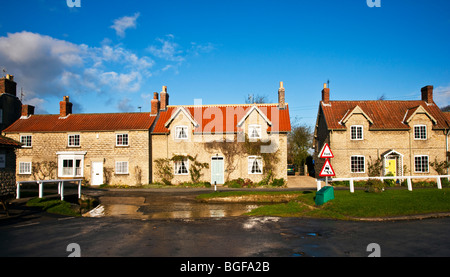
[(142, 230)]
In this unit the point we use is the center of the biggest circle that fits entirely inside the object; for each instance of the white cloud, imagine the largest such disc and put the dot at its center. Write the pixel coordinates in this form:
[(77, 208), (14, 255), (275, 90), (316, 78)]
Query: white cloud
[(124, 23), (442, 96), (167, 50), (45, 66)]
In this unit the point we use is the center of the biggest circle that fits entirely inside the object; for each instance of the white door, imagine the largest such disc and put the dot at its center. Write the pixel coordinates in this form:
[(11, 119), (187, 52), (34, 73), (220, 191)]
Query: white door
[(97, 173), (217, 168)]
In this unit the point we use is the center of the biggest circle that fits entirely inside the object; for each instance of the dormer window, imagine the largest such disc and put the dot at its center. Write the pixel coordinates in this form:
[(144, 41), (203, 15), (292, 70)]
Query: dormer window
[(356, 132), (181, 132), (420, 132), (254, 131)]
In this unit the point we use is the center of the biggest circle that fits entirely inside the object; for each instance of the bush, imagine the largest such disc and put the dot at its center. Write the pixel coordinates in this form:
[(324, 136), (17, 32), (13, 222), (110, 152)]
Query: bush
[(374, 185), (278, 182), (389, 182)]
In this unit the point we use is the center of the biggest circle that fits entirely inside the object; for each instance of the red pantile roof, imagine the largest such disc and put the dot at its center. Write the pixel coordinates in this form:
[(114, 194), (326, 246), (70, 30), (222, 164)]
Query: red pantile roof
[(8, 142), (390, 115), (82, 122), (225, 118)]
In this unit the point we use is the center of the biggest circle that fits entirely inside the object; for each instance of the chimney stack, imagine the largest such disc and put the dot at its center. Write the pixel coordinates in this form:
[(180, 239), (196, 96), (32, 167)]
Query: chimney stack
[(27, 110), (281, 97), (164, 99), (155, 104), (427, 94), (65, 107), (7, 85), (325, 94)]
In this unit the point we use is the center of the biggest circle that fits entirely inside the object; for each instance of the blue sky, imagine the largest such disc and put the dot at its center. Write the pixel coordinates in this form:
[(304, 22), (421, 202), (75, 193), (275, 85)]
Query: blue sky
[(110, 56)]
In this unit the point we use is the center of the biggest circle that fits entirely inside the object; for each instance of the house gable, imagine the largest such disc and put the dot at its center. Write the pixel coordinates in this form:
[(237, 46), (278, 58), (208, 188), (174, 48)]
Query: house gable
[(412, 112), (355, 111), (185, 113)]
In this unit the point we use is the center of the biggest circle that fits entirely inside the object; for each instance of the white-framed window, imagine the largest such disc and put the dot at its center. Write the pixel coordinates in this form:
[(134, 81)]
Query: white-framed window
[(122, 167), (356, 132), (74, 140), (121, 139), (181, 132), (421, 164), (70, 164), (24, 167), (254, 131), (357, 164), (420, 132), (26, 140), (181, 167), (255, 165)]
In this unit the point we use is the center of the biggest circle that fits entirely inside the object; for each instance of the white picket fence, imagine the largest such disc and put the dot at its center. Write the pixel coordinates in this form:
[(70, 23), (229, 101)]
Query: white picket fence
[(408, 178), (41, 183)]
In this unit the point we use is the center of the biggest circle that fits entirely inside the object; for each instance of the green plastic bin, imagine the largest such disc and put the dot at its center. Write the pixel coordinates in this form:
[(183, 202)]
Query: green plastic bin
[(324, 195)]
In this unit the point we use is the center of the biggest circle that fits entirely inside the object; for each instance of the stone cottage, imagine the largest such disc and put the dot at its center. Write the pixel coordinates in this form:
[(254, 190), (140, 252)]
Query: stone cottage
[(403, 137), (235, 141), (109, 148)]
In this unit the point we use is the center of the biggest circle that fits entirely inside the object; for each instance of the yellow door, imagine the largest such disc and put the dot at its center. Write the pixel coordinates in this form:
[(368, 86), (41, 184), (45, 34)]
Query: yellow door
[(392, 166)]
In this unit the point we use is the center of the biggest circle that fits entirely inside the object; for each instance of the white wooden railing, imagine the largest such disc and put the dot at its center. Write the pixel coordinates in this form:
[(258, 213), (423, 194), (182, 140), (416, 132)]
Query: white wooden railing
[(408, 178), (41, 183)]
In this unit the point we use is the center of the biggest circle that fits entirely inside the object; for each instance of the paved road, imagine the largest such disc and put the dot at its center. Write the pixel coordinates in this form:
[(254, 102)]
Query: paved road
[(36, 234)]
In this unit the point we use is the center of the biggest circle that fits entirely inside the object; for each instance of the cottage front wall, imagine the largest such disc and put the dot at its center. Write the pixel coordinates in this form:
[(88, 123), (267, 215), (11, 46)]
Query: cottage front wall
[(98, 147), (196, 145), (375, 143)]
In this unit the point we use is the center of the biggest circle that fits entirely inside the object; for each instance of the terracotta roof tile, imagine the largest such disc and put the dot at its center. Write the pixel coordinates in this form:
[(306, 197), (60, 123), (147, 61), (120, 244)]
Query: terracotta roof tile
[(8, 142), (225, 118), (385, 114), (83, 122)]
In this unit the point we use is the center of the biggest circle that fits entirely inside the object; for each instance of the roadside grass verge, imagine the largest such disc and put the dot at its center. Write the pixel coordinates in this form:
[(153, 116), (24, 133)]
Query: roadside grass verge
[(360, 204), (53, 206)]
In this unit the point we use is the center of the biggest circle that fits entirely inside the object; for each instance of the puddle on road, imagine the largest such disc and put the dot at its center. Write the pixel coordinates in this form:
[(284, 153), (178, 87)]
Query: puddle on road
[(136, 208)]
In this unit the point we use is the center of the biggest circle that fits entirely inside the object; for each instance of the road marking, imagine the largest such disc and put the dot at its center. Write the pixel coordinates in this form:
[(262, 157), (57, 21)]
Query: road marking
[(26, 225), (65, 218)]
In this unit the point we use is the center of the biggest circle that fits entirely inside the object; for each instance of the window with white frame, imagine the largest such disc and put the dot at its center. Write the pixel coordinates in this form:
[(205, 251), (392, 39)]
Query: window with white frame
[(356, 132), (181, 167), (255, 165), (74, 140), (121, 139), (254, 131), (26, 140), (70, 164), (181, 132), (421, 164), (24, 167), (122, 167), (420, 132), (357, 164)]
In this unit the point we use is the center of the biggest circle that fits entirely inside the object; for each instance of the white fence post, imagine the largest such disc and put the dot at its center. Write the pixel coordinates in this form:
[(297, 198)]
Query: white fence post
[(409, 184), (62, 190), (18, 190), (41, 190), (319, 185), (352, 186), (439, 184)]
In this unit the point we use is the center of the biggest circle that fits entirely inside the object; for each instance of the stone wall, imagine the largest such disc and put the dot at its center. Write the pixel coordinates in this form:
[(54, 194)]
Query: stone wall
[(98, 146), (166, 146), (378, 142), (7, 175)]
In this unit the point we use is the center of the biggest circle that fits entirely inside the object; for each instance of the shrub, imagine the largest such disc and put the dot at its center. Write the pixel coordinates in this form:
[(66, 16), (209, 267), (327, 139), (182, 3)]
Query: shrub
[(278, 182), (374, 185)]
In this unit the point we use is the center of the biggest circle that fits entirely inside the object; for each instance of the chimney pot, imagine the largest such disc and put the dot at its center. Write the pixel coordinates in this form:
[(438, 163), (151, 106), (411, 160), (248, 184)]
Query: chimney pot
[(427, 94), (325, 94), (281, 97), (155, 104), (7, 85), (65, 107), (27, 110), (164, 99)]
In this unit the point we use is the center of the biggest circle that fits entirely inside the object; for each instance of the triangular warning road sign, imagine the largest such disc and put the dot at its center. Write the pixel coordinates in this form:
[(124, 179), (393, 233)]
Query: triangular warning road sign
[(326, 152), (327, 170)]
